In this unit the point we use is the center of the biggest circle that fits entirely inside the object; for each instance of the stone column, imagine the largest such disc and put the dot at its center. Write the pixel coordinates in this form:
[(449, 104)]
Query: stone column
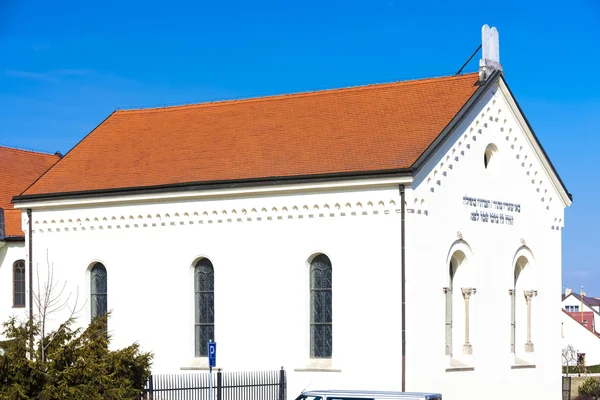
[(529, 294), (467, 292), (513, 319), (448, 295)]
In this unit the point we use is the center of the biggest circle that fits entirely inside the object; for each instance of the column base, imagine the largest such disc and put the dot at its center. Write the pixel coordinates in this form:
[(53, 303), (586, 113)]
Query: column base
[(529, 347), (467, 348)]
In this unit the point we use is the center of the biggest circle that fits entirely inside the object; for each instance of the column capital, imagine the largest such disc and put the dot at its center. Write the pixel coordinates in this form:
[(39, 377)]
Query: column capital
[(447, 289), (467, 292), (529, 294)]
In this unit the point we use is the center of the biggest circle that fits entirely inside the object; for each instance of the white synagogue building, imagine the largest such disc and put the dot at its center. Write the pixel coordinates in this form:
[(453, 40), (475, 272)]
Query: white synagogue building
[(401, 236)]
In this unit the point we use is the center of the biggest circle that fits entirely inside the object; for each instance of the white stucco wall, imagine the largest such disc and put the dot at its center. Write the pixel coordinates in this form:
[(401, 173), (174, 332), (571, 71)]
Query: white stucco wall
[(260, 257), (582, 340), (260, 244), (442, 220), (9, 253)]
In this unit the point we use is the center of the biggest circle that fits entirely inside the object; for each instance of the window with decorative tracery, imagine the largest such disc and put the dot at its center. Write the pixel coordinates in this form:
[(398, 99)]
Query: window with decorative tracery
[(204, 291), (98, 290), (19, 283), (321, 342)]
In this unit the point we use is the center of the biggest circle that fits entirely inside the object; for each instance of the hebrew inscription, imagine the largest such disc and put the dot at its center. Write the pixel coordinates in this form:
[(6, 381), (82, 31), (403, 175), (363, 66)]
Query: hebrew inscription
[(492, 211)]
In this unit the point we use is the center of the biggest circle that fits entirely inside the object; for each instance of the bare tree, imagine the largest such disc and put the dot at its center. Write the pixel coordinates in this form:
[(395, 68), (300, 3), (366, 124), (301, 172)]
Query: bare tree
[(50, 299), (569, 355)]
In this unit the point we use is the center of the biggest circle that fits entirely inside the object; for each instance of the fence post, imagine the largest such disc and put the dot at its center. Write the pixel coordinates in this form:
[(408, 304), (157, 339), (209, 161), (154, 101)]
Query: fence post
[(282, 384), (566, 387), (219, 384), (150, 390)]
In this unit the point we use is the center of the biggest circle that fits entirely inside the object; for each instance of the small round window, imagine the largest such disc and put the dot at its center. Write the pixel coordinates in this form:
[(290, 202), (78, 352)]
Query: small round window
[(488, 156)]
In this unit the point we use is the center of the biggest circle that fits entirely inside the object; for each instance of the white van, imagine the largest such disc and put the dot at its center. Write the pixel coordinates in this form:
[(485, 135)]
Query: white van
[(365, 395)]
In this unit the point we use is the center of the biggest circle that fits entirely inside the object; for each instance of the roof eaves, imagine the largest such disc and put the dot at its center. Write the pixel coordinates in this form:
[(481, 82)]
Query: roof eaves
[(13, 239), (213, 185), (579, 323), (578, 297)]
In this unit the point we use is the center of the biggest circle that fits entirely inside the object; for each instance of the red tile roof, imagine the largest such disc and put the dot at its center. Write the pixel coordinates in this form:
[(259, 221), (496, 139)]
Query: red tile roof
[(12, 223), (362, 129), (18, 170)]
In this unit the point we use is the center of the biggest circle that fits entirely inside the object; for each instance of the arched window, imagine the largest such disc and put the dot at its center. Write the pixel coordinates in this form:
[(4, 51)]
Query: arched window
[(489, 153), (204, 290), (452, 267), (19, 283), (458, 297), (321, 341), (98, 290), (521, 299)]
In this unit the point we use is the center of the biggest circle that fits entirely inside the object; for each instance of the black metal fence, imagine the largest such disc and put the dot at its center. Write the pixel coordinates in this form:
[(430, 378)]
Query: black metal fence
[(259, 385), (566, 388)]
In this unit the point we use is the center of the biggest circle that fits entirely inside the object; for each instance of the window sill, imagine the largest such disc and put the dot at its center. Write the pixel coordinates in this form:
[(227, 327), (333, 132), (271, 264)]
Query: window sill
[(317, 369), (198, 368), (197, 364), (523, 362), (318, 365), (522, 366), (460, 368), (456, 365)]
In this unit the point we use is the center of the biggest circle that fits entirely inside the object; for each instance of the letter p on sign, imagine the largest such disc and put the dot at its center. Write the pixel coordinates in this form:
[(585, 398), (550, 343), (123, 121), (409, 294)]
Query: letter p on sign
[(212, 354)]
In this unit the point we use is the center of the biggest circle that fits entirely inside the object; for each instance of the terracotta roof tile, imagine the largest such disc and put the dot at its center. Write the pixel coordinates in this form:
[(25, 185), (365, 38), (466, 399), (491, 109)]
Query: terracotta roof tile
[(12, 223), (19, 169), (369, 128)]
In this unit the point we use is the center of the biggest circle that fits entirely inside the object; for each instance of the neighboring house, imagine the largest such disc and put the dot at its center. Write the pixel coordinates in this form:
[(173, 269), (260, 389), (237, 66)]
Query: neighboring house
[(18, 170), (391, 236), (575, 304), (580, 313)]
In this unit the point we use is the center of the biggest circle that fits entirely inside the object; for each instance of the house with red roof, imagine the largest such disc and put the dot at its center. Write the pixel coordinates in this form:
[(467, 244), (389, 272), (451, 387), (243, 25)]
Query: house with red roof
[(18, 170), (581, 325), (400, 236)]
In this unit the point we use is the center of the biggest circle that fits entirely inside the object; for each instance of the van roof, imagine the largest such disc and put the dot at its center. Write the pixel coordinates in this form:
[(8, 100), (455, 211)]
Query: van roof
[(378, 394)]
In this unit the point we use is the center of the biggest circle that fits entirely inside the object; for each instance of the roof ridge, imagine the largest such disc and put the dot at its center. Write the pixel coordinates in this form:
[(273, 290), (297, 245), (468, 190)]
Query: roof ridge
[(408, 82), (43, 153)]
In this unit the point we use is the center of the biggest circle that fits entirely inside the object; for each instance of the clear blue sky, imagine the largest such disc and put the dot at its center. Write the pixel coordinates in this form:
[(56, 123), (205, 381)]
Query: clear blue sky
[(66, 65)]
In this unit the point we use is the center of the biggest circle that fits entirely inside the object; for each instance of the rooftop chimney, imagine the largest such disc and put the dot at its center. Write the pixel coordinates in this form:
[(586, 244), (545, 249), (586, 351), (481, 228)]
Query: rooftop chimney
[(490, 53), (568, 291)]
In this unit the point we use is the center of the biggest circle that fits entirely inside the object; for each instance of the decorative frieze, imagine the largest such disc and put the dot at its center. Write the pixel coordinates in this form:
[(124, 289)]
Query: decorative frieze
[(244, 214)]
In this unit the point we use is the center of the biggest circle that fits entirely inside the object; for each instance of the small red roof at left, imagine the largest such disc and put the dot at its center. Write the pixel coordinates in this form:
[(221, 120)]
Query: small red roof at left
[(18, 170)]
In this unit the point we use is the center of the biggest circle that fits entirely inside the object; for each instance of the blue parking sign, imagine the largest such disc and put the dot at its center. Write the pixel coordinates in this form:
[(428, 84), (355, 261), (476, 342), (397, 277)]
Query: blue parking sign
[(212, 354)]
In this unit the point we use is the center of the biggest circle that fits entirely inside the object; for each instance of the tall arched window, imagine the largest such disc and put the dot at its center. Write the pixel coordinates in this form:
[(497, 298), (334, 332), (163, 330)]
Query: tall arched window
[(204, 290), (521, 300), (98, 290), (321, 340), (452, 267), (19, 283), (458, 297)]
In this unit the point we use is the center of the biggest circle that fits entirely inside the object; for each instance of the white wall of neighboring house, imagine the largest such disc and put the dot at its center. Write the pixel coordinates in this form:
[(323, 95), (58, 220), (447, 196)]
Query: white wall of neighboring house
[(9, 253), (261, 241), (582, 340)]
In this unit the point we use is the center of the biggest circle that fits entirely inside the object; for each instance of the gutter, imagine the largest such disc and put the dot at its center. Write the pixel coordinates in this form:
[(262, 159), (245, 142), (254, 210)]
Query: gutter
[(248, 183), (403, 281), (30, 235)]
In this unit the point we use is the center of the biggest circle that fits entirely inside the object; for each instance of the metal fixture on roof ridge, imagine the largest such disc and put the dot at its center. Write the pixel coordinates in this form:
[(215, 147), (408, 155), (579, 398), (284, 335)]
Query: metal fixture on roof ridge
[(490, 53)]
